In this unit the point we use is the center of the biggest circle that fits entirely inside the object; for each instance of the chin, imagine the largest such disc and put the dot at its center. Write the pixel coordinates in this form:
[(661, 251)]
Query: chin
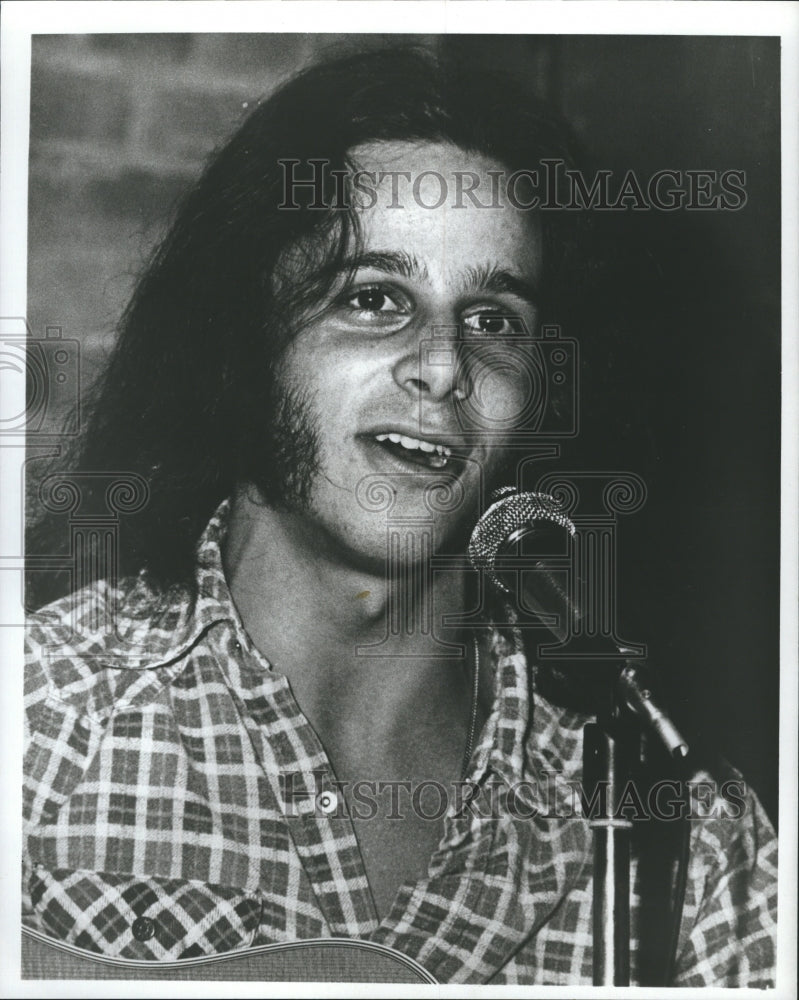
[(390, 526)]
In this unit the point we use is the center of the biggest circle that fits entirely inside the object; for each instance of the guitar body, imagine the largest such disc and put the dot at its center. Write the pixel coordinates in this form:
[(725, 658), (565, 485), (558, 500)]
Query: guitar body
[(325, 960)]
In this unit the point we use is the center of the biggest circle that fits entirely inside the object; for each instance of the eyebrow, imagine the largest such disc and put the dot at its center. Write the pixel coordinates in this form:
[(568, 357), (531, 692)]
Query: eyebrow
[(498, 281), (486, 278), (397, 262)]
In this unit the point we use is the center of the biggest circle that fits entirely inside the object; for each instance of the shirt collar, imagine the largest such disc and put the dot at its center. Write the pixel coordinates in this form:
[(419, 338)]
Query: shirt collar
[(526, 737), (500, 749), (153, 627)]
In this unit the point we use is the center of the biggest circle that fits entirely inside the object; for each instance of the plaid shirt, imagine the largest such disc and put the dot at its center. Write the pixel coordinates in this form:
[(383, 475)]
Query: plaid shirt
[(158, 826)]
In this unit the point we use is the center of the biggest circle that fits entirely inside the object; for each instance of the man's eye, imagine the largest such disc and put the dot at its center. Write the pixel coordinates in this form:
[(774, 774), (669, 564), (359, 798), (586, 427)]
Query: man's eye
[(372, 300), (491, 324)]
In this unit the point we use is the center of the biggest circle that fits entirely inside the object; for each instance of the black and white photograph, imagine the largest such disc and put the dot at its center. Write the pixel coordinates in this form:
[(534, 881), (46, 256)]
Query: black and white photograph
[(398, 484)]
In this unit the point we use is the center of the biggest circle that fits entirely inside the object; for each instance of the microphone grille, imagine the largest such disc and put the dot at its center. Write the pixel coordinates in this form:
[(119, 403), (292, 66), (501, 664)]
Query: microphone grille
[(505, 516)]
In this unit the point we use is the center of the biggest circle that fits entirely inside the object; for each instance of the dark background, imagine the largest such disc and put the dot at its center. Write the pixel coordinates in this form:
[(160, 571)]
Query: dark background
[(679, 330)]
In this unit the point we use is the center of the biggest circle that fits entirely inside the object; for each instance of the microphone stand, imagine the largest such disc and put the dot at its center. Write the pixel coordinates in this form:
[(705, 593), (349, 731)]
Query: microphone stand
[(610, 747), (625, 709)]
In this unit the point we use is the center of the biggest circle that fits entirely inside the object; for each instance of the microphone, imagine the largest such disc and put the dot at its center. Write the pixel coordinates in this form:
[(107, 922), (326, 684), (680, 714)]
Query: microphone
[(514, 516)]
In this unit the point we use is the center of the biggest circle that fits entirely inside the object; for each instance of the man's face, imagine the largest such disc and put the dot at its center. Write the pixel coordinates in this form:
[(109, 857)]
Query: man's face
[(378, 393)]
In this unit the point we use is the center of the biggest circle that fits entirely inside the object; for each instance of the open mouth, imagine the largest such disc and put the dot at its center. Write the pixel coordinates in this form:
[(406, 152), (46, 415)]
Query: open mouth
[(427, 454)]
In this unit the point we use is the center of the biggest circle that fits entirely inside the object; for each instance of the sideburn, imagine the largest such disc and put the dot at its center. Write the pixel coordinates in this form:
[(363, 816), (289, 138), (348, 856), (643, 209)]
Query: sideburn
[(287, 458)]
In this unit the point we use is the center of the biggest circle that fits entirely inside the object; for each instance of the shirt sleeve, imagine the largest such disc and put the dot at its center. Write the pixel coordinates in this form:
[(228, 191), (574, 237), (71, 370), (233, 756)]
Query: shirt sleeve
[(36, 694), (728, 935), (54, 745)]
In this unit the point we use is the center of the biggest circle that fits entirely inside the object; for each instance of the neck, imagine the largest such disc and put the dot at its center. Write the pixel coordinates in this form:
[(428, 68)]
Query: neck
[(299, 598)]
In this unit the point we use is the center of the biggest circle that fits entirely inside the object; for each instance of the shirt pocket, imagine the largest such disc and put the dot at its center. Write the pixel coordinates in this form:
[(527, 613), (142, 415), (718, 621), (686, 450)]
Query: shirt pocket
[(129, 916)]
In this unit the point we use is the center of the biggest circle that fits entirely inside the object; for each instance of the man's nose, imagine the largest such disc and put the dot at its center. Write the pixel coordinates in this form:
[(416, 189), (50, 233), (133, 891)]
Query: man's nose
[(431, 367)]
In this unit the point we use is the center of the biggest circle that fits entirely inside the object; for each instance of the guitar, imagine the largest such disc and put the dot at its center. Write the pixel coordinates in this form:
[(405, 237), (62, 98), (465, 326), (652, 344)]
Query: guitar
[(326, 960)]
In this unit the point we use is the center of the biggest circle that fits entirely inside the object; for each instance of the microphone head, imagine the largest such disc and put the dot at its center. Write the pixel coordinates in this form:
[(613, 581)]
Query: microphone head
[(506, 516)]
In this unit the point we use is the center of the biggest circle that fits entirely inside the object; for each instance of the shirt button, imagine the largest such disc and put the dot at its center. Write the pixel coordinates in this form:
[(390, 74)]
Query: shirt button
[(327, 802), (143, 928)]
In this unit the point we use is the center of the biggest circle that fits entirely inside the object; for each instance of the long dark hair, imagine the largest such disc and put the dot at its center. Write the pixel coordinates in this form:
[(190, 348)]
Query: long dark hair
[(188, 395)]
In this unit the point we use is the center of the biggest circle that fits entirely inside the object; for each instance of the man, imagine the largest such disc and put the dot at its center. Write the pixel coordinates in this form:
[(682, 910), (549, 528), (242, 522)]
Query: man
[(319, 381)]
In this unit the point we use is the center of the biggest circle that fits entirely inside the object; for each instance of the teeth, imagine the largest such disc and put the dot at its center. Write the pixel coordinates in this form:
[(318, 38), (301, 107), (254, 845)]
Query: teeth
[(441, 451)]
